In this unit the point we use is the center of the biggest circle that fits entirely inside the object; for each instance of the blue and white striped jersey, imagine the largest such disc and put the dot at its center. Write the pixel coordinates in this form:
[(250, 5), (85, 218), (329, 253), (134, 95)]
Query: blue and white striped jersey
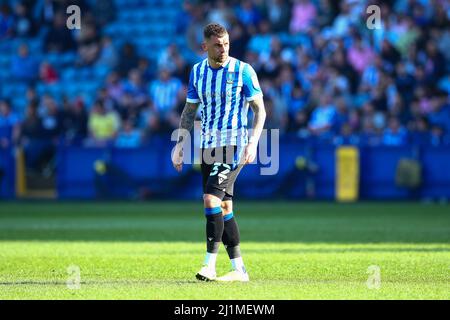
[(223, 94)]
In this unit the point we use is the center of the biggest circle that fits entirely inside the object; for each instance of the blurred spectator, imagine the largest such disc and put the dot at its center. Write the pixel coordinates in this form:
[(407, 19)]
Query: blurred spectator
[(134, 86), (47, 73), (184, 17), (420, 131), (346, 136), (74, 123), (343, 67), (304, 13), (104, 11), (360, 55), (421, 95), (395, 134), (440, 112), (435, 62), (194, 31), (370, 135), (249, 15), (170, 58), (128, 59), (405, 33), (108, 55), (24, 26), (9, 125), (322, 117), (389, 53), (298, 100), (405, 82), (438, 138), (261, 42), (299, 124), (108, 101), (88, 44), (24, 66), (51, 120), (220, 13), (304, 52), (146, 70), (6, 22), (44, 11), (278, 13), (274, 119), (33, 137), (59, 38), (129, 136), (239, 40), (326, 13), (114, 87), (103, 125), (31, 96), (341, 117), (444, 84), (165, 95), (337, 84), (344, 19), (148, 122)]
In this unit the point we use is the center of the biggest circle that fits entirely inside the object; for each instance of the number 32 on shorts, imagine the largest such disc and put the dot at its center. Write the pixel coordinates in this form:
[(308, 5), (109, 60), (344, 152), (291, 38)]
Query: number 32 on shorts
[(222, 175)]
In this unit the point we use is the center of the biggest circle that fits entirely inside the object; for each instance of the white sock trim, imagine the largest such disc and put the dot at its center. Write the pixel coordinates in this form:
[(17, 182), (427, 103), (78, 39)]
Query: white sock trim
[(210, 260), (238, 264)]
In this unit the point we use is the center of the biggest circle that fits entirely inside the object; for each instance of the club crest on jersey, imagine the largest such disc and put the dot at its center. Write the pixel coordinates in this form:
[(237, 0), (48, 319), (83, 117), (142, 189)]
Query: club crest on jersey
[(230, 77)]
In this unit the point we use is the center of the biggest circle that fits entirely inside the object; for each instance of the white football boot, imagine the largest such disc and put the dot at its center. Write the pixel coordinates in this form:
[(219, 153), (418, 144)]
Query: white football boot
[(206, 274), (234, 275)]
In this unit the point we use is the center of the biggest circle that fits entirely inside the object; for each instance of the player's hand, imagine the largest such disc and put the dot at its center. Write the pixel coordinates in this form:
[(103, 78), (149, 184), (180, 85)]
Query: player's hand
[(177, 158), (250, 152)]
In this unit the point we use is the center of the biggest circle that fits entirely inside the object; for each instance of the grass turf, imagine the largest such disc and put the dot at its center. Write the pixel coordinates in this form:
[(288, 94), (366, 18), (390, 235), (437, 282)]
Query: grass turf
[(292, 251)]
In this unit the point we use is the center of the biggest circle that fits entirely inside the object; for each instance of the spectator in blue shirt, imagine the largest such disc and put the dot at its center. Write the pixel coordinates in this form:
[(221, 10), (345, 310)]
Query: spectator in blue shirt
[(128, 137), (165, 96), (395, 134), (24, 67), (59, 38), (346, 136), (322, 117), (9, 124), (438, 137), (370, 136), (6, 22), (420, 131)]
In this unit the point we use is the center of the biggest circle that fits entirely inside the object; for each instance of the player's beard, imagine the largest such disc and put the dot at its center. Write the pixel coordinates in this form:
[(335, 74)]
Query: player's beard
[(220, 59)]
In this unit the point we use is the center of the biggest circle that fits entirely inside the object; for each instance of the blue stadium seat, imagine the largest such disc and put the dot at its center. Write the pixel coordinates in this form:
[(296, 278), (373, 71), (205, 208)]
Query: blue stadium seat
[(100, 72), (19, 104), (111, 29), (68, 58), (68, 74), (12, 89)]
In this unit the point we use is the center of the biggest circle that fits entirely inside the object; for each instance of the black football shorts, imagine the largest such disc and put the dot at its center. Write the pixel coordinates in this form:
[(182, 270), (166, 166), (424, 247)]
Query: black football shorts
[(220, 168)]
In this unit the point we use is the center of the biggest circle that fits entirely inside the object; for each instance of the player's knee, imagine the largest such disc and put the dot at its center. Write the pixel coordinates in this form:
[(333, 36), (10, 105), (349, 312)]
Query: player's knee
[(211, 201), (227, 207)]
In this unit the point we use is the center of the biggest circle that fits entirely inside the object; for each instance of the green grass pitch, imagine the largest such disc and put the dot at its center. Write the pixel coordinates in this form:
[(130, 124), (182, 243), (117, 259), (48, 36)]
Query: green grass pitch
[(292, 250)]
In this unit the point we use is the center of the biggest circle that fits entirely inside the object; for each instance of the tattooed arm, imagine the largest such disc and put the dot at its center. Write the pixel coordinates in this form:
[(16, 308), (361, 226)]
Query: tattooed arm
[(186, 124), (259, 111)]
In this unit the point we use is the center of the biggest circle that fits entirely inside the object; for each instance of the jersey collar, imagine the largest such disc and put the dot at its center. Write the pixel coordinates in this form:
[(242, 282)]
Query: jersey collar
[(223, 66)]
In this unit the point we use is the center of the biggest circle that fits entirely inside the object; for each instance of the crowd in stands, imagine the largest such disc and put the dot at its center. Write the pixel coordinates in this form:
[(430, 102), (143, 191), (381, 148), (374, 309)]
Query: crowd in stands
[(325, 74)]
